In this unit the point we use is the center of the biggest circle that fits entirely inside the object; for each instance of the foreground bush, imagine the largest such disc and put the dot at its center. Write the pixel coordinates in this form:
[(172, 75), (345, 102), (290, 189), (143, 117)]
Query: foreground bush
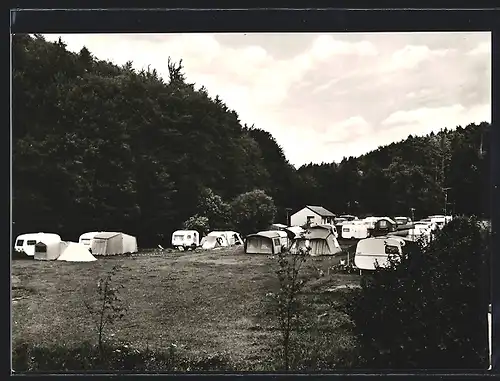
[(431, 310), (89, 358)]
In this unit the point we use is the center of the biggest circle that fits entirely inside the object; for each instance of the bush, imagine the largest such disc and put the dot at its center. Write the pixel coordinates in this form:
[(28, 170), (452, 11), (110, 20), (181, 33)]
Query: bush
[(430, 311), (89, 357)]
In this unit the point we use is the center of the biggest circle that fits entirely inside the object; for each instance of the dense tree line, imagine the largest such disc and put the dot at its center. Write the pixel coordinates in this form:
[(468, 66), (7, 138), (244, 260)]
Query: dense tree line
[(97, 146)]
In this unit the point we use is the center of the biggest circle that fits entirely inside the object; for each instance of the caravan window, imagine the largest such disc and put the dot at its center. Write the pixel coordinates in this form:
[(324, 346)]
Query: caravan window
[(389, 249), (20, 242), (276, 241), (382, 224), (31, 242)]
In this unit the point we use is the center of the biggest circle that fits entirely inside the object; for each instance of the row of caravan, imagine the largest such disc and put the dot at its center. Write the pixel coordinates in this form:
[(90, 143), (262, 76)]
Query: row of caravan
[(377, 251), (361, 229), (50, 246)]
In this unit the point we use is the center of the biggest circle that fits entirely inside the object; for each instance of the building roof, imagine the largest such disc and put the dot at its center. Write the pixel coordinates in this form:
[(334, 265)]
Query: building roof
[(320, 211)]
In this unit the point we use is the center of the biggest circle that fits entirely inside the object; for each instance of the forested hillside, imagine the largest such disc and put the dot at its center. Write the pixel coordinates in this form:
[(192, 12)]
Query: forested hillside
[(102, 147)]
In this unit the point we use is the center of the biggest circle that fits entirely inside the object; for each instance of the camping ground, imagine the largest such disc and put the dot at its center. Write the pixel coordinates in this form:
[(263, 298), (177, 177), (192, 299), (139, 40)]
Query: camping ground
[(213, 302)]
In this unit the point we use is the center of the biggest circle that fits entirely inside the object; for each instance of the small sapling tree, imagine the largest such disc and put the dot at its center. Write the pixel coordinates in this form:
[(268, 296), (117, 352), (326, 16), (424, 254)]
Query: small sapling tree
[(107, 306), (287, 302)]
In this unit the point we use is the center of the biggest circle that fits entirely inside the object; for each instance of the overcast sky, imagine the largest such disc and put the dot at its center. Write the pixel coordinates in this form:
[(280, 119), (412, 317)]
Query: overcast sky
[(324, 96)]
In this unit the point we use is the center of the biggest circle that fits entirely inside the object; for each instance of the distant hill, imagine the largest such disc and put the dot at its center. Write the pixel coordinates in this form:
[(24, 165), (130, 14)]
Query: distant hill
[(98, 146)]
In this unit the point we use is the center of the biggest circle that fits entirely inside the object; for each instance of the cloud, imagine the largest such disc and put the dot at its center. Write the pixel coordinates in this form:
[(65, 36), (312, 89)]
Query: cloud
[(326, 46), (424, 120), (347, 130), (412, 55), (482, 48)]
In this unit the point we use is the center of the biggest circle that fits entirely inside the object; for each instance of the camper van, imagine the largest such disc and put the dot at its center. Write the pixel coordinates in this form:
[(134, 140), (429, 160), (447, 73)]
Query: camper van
[(185, 239), (25, 243), (355, 230), (377, 251)]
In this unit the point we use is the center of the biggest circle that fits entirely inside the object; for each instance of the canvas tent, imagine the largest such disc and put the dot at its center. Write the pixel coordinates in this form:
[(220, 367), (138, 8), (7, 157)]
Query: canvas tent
[(266, 242), (112, 243), (320, 239), (232, 238), (25, 243), (49, 249), (213, 241), (75, 252)]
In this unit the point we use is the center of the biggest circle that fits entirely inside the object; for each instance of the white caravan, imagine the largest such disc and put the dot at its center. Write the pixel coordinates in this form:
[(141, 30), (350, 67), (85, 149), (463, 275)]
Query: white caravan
[(440, 220), (25, 243), (87, 238), (371, 221), (185, 239), (355, 230), (374, 251)]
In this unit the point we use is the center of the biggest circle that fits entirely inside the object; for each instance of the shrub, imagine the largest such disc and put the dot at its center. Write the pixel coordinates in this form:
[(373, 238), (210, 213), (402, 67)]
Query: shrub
[(88, 357), (430, 310)]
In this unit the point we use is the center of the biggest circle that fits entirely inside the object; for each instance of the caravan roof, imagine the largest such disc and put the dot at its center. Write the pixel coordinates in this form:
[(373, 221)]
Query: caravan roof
[(105, 235)]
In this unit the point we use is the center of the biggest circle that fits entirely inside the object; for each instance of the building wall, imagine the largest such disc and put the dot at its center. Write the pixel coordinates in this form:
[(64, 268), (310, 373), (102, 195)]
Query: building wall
[(300, 218)]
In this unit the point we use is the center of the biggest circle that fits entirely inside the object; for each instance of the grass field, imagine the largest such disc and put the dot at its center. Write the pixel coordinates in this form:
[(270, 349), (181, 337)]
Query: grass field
[(204, 302)]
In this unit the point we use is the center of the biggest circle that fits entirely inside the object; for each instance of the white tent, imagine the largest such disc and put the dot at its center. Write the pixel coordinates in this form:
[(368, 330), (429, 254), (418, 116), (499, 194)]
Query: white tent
[(112, 243), (213, 241), (75, 252), (49, 249)]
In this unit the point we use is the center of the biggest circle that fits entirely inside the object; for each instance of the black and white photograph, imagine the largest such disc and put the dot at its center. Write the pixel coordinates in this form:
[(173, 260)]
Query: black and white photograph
[(251, 202)]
